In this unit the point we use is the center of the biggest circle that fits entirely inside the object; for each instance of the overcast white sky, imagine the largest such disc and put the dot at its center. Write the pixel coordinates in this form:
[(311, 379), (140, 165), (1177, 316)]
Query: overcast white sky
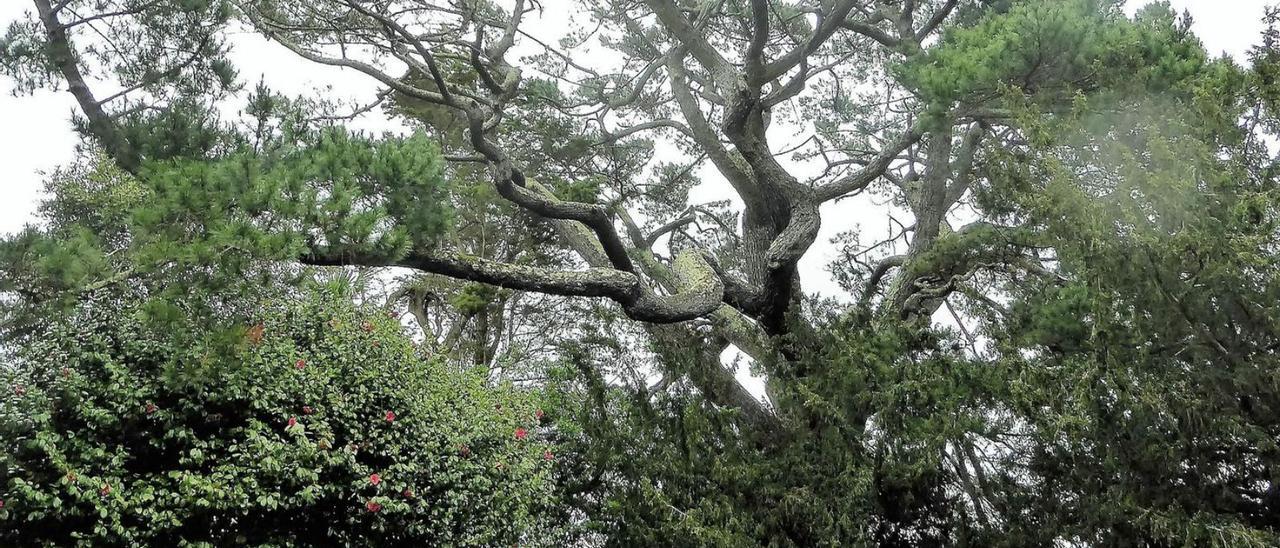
[(37, 134)]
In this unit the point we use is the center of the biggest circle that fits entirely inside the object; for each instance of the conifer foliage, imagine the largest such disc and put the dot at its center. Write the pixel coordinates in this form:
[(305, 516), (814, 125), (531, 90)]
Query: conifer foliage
[(1057, 235)]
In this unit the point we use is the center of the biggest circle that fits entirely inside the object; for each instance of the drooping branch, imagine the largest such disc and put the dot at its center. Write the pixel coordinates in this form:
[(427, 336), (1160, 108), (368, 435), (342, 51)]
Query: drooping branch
[(593, 282), (699, 296), (878, 273)]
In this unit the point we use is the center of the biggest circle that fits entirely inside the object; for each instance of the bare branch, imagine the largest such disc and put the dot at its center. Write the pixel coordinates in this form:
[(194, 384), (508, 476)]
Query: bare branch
[(688, 217), (882, 268), (874, 169), (828, 24), (700, 293), (101, 125), (669, 14), (937, 19)]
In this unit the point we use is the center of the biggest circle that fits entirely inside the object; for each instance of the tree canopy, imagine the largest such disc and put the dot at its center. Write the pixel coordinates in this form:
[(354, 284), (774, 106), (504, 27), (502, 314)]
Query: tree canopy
[(1066, 334)]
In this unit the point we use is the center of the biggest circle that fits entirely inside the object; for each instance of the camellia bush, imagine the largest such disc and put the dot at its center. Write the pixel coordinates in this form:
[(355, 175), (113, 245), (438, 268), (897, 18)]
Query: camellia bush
[(321, 424)]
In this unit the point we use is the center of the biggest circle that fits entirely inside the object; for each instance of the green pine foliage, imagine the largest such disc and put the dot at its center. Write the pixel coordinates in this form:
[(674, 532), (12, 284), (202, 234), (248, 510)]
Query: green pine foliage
[(208, 231), (333, 190)]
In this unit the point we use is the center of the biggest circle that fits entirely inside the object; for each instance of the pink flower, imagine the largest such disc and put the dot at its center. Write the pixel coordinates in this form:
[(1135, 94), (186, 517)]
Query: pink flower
[(372, 506), (307, 410), (300, 364), (407, 494), (106, 489), (391, 416), (546, 455), (293, 421), (151, 408), (367, 327), (521, 433), (1, 503), (374, 478), (20, 390), (539, 414)]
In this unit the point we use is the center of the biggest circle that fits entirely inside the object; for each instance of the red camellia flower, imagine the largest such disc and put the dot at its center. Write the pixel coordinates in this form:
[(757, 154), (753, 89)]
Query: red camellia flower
[(521, 433), (374, 478), (300, 364), (546, 455), (391, 416), (20, 390), (293, 421), (307, 410), (407, 494), (372, 506), (151, 408)]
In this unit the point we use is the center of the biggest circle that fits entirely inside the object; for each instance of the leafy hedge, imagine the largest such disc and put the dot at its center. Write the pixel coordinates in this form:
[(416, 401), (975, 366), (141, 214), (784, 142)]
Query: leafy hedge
[(321, 424)]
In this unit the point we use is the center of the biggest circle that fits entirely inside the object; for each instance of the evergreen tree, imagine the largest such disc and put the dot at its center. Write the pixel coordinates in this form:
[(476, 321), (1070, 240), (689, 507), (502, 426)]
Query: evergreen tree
[(1092, 208)]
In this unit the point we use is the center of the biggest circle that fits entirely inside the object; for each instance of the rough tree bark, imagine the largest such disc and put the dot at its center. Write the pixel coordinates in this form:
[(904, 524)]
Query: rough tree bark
[(722, 93)]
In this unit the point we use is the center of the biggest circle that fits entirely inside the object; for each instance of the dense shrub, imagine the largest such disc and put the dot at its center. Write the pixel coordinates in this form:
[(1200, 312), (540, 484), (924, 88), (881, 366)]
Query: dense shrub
[(320, 424)]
